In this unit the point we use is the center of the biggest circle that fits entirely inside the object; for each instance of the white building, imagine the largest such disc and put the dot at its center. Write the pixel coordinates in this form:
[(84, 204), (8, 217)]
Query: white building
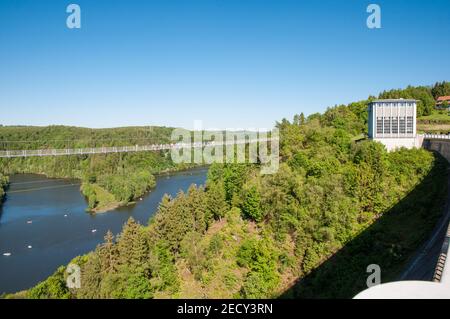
[(393, 123)]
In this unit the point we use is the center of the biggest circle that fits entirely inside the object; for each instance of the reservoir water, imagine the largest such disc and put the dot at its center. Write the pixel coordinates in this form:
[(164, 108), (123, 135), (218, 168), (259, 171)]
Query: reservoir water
[(44, 223)]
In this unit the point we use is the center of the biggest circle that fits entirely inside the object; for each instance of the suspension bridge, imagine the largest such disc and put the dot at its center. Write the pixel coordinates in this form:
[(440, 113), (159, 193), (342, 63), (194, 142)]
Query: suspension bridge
[(128, 149), (151, 147)]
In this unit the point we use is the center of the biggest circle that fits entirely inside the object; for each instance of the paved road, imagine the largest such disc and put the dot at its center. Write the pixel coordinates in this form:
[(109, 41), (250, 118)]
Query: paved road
[(423, 264)]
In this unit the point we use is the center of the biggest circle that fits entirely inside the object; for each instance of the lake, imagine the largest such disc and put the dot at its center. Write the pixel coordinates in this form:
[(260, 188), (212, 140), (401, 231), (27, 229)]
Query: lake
[(44, 223)]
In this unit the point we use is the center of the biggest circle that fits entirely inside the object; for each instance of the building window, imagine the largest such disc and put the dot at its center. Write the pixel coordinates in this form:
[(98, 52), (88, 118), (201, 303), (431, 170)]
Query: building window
[(395, 125), (409, 125), (379, 125), (387, 125), (402, 125)]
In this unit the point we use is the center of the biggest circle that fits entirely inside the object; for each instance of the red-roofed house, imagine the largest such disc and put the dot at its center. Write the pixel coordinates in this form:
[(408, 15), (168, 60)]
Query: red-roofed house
[(441, 100)]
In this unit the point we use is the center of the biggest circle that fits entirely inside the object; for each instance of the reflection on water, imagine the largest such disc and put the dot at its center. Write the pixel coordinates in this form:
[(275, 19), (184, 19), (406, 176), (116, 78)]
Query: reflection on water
[(49, 216)]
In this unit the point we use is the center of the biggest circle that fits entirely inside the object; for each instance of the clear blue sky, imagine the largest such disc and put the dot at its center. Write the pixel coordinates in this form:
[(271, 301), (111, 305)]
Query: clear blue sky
[(230, 63)]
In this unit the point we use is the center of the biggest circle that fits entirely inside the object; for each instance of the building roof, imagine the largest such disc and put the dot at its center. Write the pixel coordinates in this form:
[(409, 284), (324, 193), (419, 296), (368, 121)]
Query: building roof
[(394, 100), (444, 98)]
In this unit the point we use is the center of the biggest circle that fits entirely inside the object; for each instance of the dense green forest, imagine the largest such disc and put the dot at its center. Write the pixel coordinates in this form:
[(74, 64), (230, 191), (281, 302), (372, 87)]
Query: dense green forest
[(57, 136), (108, 180), (335, 205), (441, 89)]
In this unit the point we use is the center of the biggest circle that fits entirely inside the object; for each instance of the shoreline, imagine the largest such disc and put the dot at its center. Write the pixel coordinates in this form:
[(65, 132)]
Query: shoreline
[(164, 173), (114, 205)]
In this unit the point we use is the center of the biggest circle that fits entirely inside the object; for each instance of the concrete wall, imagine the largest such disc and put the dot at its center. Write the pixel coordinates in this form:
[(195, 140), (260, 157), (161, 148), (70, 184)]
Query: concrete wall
[(395, 143), (441, 146), (442, 273)]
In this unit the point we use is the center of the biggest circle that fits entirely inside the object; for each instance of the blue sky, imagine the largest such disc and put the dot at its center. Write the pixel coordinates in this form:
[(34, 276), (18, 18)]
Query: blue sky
[(229, 63)]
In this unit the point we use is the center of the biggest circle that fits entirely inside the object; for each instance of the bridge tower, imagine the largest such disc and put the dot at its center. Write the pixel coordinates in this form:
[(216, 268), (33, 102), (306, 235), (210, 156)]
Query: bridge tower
[(393, 123)]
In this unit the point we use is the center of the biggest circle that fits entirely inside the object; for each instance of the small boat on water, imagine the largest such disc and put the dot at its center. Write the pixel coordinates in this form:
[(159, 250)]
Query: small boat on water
[(94, 230), (29, 246), (65, 215), (29, 222), (6, 254)]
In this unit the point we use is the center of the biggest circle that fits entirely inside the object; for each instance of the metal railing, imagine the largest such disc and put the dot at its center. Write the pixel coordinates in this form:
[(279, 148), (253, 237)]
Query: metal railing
[(436, 136), (442, 271)]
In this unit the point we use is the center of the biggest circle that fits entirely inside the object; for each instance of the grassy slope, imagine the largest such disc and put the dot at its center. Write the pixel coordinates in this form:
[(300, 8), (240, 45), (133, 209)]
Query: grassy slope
[(437, 122)]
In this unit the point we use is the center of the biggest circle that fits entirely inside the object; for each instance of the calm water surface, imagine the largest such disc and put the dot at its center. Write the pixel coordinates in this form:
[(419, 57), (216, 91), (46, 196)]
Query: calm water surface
[(34, 215)]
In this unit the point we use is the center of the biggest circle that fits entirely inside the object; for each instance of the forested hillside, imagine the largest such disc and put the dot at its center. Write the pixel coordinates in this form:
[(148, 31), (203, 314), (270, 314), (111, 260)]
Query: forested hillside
[(310, 230), (108, 180), (57, 136)]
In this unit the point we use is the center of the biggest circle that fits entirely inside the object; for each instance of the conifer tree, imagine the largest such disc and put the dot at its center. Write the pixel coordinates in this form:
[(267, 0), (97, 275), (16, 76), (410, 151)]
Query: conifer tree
[(128, 240), (217, 204), (302, 118), (197, 209), (91, 278), (140, 250), (108, 254), (252, 204)]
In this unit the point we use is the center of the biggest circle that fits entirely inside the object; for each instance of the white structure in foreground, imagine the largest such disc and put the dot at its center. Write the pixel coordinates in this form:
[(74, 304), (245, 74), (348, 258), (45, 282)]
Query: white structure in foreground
[(393, 123), (407, 290)]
